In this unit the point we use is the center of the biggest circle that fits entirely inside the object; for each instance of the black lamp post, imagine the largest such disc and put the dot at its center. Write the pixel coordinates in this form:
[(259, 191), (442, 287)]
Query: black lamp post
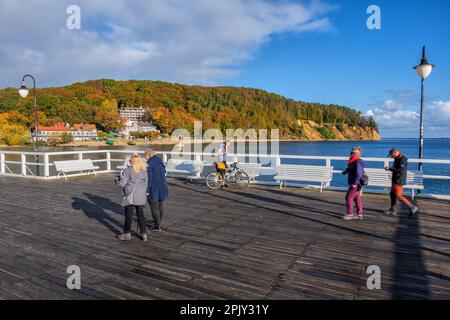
[(23, 91), (423, 70)]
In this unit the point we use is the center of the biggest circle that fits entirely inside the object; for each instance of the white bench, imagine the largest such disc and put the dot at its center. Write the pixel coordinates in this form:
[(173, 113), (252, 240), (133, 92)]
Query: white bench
[(383, 178), (126, 164), (253, 170), (68, 166), (290, 172), (191, 168)]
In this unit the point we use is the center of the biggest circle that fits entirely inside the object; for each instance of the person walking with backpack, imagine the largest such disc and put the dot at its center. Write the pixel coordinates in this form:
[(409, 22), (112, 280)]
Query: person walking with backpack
[(355, 172), (399, 174), (157, 190), (133, 182)]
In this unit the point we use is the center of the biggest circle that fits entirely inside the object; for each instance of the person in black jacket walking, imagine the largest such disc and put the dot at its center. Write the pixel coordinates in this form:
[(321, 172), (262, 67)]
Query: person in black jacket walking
[(157, 190), (399, 175)]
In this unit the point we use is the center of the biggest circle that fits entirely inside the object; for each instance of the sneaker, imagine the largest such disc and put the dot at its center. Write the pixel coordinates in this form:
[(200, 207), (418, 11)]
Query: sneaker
[(156, 230), (349, 217), (124, 237), (413, 211), (144, 237), (360, 217), (391, 212)]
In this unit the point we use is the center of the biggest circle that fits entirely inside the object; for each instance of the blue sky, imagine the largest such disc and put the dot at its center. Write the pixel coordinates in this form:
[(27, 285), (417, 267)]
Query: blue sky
[(358, 67), (318, 50), (351, 63)]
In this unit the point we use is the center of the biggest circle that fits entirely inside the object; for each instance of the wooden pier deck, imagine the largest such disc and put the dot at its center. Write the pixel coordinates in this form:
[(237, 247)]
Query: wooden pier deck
[(260, 244)]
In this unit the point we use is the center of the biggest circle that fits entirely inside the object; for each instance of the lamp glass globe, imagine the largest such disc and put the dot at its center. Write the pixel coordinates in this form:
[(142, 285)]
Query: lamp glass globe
[(424, 70), (24, 92)]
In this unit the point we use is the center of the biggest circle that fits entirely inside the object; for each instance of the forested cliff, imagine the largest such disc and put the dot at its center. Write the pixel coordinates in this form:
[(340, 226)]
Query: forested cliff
[(174, 106)]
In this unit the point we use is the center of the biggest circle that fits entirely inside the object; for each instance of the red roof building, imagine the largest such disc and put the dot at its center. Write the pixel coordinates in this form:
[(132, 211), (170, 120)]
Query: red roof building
[(53, 129), (79, 132)]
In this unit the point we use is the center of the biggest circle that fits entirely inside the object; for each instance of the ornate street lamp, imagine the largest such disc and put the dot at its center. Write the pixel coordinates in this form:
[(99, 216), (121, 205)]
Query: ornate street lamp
[(23, 92), (423, 70)]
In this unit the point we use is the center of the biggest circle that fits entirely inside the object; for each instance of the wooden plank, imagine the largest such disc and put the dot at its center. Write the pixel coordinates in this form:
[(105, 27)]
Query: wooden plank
[(224, 244)]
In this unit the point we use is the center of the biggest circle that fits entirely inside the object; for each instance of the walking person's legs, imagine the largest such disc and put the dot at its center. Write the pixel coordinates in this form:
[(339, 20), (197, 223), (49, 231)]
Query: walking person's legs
[(398, 189), (393, 196), (397, 193), (161, 212), (141, 222), (156, 214), (126, 235), (358, 202), (350, 198)]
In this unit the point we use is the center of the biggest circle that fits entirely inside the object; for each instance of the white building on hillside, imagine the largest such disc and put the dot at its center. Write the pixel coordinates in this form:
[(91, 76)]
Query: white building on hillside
[(134, 121), (133, 114)]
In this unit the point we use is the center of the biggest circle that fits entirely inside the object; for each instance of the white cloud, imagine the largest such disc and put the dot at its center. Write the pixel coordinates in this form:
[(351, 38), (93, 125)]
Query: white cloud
[(440, 114), (392, 105), (398, 117), (197, 41)]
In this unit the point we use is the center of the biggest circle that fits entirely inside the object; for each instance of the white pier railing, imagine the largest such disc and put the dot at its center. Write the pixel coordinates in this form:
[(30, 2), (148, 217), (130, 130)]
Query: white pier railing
[(29, 164)]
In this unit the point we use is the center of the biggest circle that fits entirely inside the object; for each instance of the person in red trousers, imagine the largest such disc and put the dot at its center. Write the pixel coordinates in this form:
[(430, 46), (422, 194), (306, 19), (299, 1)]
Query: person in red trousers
[(355, 171)]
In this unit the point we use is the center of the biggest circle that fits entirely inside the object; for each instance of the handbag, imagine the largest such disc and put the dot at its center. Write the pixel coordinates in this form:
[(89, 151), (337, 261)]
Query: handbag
[(365, 179)]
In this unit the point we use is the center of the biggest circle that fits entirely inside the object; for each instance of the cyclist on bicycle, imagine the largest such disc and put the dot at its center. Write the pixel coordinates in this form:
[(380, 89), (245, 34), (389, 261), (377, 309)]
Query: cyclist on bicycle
[(223, 151), (221, 165)]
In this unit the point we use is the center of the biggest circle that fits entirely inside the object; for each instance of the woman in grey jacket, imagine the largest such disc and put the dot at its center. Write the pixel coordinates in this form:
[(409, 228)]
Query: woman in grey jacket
[(134, 184)]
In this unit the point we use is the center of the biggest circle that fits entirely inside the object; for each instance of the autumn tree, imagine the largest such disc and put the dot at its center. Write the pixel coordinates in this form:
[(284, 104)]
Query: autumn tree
[(163, 119), (174, 105), (13, 134), (107, 116)]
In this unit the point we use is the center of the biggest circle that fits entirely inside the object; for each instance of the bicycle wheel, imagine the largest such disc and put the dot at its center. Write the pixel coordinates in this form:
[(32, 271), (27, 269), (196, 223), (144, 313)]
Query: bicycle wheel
[(214, 180), (242, 180)]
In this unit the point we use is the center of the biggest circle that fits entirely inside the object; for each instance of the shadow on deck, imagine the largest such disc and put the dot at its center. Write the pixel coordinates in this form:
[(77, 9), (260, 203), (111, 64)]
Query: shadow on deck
[(263, 243)]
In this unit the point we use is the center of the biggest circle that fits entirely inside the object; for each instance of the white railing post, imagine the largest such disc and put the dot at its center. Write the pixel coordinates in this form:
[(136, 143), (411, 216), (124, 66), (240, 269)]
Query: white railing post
[(2, 163), (165, 157), (80, 155), (23, 162), (277, 163), (386, 164), (46, 165), (108, 161), (328, 164)]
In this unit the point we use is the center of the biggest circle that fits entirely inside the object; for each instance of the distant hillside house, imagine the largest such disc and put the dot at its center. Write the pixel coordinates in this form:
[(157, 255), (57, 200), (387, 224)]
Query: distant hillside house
[(82, 132), (138, 126), (133, 114), (47, 133), (134, 121), (79, 132)]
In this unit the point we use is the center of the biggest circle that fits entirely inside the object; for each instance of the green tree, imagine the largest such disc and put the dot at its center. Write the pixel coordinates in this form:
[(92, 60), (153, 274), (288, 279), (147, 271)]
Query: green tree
[(66, 138)]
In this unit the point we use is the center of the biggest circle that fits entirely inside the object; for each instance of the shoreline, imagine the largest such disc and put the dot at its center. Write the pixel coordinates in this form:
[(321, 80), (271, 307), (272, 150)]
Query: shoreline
[(170, 142)]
